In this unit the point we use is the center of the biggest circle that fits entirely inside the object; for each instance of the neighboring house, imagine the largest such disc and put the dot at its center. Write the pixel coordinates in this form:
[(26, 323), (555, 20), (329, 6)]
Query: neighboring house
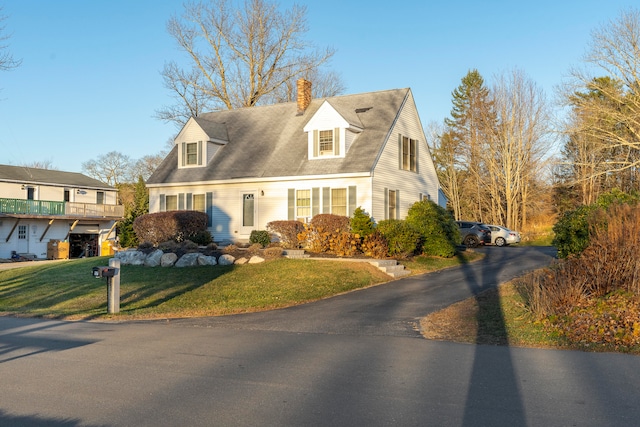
[(39, 206), (250, 166)]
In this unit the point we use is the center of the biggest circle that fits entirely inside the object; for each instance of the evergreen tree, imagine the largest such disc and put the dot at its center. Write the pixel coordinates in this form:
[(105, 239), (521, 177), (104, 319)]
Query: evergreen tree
[(140, 206), (471, 119)]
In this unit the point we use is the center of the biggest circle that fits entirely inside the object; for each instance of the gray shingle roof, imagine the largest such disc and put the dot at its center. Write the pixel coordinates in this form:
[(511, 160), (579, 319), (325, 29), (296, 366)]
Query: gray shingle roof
[(269, 141), (27, 175)]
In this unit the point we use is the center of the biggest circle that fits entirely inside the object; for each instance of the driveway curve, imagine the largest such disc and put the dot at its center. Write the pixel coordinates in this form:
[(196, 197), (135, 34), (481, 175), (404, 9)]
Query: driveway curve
[(393, 308)]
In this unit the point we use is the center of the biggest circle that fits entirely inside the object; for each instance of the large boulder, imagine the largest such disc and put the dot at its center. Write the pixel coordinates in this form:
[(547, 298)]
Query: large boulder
[(226, 259), (255, 259), (207, 260), (131, 257), (153, 259), (168, 259), (188, 260)]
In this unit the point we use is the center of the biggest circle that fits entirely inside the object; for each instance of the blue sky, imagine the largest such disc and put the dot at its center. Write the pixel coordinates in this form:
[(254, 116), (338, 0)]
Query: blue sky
[(90, 78)]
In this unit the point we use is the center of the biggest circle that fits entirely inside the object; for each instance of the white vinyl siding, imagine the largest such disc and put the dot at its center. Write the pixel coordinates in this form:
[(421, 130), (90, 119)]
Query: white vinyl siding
[(388, 171)]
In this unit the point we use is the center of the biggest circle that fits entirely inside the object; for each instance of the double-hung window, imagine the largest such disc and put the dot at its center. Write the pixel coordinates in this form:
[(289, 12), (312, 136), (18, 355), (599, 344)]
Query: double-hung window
[(172, 203), (339, 201), (393, 209), (191, 153), (408, 154), (325, 141), (199, 203), (303, 205)]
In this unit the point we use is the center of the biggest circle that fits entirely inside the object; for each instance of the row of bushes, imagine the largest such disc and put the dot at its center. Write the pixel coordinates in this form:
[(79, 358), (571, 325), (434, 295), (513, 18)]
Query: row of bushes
[(428, 229)]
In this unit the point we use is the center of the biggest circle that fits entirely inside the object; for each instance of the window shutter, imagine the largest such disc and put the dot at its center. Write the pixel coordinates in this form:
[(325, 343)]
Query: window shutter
[(420, 197), (352, 200), (189, 202), (386, 203), (415, 166), (291, 204), (184, 153), (163, 203), (400, 150), (316, 143), (397, 204), (315, 201), (180, 201), (209, 208), (199, 152), (326, 200), (336, 141)]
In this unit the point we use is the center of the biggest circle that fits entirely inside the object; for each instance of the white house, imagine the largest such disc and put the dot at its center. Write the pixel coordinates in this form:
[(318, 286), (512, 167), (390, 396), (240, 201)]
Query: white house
[(39, 206), (249, 166)]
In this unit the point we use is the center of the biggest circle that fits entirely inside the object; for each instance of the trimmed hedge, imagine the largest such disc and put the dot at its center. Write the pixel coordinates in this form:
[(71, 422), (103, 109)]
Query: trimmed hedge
[(172, 225)]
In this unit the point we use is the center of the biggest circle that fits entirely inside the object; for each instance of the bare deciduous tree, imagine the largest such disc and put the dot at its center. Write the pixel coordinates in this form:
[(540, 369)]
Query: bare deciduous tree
[(518, 145), (446, 156), (112, 168), (7, 61), (44, 164), (240, 57), (612, 118)]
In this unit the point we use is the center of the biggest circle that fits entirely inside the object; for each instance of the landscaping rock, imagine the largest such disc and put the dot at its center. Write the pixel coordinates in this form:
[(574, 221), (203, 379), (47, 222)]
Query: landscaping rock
[(226, 259), (256, 259), (153, 259), (168, 259), (207, 260), (131, 257), (188, 260), (241, 261)]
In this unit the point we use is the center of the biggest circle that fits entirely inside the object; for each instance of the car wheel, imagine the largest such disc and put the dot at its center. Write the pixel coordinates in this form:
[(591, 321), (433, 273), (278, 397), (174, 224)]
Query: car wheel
[(471, 241), (500, 241)]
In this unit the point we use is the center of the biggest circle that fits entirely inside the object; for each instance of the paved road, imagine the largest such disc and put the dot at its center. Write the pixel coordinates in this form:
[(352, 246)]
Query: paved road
[(352, 360)]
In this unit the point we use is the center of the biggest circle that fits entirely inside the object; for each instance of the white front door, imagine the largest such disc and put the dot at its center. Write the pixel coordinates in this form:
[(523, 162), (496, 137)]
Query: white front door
[(249, 211), (23, 239)]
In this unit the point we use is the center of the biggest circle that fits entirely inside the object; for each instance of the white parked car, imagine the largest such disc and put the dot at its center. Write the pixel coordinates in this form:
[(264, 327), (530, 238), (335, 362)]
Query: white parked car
[(502, 236)]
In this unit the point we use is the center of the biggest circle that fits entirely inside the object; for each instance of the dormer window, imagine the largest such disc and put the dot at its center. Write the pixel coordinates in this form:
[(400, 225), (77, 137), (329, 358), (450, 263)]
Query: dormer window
[(326, 143), (191, 154)]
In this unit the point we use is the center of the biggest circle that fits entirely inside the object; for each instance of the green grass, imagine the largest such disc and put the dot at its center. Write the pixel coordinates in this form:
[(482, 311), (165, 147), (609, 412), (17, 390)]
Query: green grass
[(67, 289)]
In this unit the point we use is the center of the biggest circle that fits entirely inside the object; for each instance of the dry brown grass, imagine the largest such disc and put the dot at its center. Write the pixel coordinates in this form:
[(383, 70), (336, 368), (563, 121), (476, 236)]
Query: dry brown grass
[(588, 302)]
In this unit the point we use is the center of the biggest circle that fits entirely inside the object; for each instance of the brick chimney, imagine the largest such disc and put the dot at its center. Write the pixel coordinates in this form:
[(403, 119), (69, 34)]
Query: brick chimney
[(304, 95)]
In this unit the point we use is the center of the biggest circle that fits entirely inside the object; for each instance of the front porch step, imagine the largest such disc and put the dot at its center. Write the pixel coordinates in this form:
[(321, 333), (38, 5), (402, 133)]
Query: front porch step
[(295, 253), (391, 267)]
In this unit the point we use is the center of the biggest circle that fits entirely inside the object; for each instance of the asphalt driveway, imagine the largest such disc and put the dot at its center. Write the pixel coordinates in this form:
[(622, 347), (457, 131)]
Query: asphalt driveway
[(352, 360)]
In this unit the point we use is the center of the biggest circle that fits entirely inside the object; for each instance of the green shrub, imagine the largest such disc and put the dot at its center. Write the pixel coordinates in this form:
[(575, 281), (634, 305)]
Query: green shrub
[(572, 231), (361, 223), (438, 231), (260, 236), (401, 237), (574, 228), (202, 237)]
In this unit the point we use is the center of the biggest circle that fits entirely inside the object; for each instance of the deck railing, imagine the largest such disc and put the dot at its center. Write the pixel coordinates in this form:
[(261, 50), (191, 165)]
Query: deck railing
[(50, 208)]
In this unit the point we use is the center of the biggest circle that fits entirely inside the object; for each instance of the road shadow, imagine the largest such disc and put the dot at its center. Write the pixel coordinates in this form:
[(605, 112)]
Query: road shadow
[(482, 280), (20, 342)]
